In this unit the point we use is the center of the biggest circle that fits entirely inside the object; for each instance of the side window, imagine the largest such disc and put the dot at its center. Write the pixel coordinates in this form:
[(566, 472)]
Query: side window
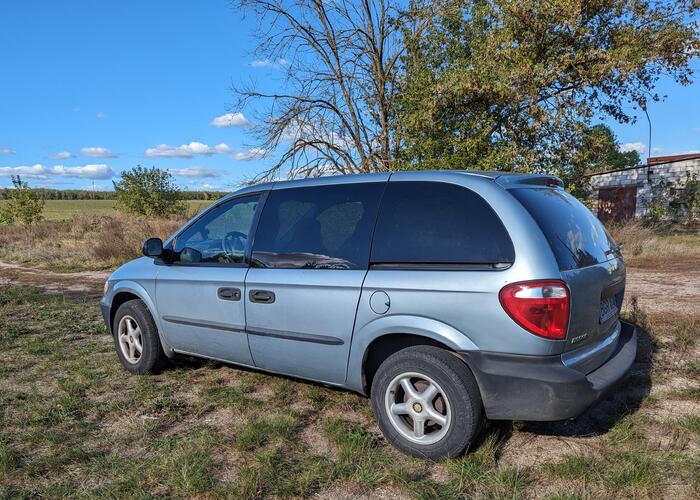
[(438, 223), (219, 236), (323, 227)]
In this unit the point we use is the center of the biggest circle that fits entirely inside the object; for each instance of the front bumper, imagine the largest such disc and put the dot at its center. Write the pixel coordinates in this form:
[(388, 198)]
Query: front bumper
[(106, 313), (542, 388)]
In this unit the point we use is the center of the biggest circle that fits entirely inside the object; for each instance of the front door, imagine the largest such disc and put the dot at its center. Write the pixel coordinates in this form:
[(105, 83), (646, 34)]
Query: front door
[(309, 260), (200, 294)]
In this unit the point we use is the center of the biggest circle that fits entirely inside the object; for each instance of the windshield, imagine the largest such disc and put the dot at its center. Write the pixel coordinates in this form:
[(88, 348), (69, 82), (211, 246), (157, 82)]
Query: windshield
[(577, 238)]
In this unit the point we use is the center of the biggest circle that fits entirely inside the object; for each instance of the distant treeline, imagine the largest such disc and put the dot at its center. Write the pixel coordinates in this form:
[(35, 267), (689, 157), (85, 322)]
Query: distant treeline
[(80, 194)]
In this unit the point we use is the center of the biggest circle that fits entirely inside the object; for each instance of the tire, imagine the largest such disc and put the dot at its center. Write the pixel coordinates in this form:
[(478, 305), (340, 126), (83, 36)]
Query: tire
[(151, 359), (457, 402)]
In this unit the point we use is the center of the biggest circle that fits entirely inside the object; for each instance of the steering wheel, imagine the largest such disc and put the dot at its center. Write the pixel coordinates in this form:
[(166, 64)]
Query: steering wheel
[(234, 243)]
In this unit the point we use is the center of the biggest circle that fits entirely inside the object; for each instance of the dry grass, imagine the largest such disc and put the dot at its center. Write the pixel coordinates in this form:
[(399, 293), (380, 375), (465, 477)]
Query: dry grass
[(81, 243), (652, 246)]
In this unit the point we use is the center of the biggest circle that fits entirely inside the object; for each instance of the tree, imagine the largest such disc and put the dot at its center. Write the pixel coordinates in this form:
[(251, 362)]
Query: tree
[(595, 150), (515, 84), (335, 112), (22, 206), (148, 191)]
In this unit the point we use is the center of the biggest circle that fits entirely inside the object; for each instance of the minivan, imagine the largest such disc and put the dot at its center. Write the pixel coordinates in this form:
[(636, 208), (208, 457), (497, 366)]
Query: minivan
[(446, 297)]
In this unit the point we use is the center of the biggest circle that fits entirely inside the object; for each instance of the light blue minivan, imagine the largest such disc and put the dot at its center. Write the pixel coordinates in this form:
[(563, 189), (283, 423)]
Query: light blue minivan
[(445, 296)]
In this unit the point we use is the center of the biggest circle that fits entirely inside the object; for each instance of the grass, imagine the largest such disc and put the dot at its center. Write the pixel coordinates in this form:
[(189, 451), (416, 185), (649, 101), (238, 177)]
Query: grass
[(649, 246), (58, 210), (84, 236), (202, 429), (74, 424)]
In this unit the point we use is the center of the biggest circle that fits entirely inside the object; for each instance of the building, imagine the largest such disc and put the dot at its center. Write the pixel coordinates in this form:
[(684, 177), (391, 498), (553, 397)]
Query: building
[(626, 193)]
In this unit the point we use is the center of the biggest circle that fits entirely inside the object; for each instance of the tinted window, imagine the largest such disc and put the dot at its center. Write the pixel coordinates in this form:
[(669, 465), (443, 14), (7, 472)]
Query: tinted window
[(220, 235), (576, 236), (438, 223), (324, 227)]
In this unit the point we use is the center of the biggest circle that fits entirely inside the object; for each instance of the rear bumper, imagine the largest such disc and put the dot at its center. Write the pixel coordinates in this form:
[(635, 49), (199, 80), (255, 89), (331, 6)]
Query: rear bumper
[(541, 388)]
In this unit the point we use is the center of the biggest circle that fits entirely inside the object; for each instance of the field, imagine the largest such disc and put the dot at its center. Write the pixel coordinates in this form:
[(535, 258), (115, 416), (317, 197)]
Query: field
[(73, 423), (67, 209)]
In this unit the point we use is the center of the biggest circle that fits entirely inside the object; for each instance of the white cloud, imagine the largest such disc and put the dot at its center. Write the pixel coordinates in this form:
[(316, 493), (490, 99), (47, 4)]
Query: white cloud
[(7, 151), (62, 155), (230, 120), (97, 152), (101, 114), (98, 171), (204, 186), (656, 150), (251, 154), (34, 171), (696, 129), (195, 172), (639, 147), (39, 171), (187, 150), (268, 63)]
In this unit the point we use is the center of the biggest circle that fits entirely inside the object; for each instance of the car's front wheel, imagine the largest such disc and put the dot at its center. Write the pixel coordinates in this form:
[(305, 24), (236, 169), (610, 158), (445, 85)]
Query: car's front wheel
[(136, 339), (427, 402)]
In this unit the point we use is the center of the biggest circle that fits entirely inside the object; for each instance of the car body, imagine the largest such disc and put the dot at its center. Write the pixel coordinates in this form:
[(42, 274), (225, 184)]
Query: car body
[(324, 279)]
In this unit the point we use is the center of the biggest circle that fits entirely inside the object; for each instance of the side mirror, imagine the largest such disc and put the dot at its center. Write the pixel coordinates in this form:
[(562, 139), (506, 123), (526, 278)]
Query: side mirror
[(152, 247)]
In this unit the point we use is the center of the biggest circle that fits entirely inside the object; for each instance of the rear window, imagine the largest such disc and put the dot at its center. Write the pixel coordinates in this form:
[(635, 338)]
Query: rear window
[(438, 223), (577, 238)]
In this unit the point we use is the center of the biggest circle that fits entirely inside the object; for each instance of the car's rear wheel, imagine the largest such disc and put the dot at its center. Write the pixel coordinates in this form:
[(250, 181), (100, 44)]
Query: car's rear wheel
[(136, 339), (427, 402)]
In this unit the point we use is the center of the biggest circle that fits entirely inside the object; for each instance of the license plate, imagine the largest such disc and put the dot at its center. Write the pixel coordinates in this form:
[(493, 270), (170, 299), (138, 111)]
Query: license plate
[(608, 309)]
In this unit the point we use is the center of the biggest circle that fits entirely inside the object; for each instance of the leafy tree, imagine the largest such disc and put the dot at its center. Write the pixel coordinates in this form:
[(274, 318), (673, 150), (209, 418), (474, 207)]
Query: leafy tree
[(595, 150), (687, 201), (148, 191), (515, 84), (22, 206)]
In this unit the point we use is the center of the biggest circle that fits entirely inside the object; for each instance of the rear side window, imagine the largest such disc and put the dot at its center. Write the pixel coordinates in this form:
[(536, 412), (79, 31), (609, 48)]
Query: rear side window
[(577, 238), (323, 227), (438, 223)]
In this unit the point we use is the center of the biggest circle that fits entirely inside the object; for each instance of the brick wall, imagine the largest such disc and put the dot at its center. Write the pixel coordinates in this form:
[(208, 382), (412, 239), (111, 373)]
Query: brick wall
[(644, 177)]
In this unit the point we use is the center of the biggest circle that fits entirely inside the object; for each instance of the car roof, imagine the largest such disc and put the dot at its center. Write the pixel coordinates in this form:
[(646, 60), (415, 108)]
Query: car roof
[(504, 178)]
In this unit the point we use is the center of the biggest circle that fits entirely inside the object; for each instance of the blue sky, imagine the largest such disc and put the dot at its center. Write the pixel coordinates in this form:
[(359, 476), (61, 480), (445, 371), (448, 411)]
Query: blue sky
[(88, 89)]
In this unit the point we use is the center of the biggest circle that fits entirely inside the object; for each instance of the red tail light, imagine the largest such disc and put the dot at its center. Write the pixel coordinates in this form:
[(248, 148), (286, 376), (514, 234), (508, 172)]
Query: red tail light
[(541, 307)]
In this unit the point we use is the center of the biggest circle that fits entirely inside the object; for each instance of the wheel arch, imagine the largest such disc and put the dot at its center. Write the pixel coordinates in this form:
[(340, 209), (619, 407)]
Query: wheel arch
[(380, 338), (386, 345), (126, 290)]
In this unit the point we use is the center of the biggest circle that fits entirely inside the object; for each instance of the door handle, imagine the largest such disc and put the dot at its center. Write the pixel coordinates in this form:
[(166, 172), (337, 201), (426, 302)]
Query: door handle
[(229, 293), (261, 296)]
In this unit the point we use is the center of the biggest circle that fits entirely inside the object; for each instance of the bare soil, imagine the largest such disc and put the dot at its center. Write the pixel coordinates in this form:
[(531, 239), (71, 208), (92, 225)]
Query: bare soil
[(668, 289)]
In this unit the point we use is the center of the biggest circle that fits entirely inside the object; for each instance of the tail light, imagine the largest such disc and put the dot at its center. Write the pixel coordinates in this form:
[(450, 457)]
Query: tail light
[(541, 307)]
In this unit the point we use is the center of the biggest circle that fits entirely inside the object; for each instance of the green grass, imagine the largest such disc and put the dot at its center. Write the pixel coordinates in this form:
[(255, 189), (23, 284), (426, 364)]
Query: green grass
[(74, 424), (66, 209)]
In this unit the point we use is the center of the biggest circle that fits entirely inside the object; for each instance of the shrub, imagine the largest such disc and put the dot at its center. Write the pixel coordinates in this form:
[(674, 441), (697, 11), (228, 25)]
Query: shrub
[(148, 191), (23, 206)]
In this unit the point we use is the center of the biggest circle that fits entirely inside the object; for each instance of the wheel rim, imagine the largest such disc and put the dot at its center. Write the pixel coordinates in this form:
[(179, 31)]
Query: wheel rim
[(130, 339), (418, 408)]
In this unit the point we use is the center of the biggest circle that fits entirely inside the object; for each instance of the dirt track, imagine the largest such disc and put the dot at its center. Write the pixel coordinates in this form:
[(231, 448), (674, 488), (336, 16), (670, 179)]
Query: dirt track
[(84, 282), (677, 289)]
